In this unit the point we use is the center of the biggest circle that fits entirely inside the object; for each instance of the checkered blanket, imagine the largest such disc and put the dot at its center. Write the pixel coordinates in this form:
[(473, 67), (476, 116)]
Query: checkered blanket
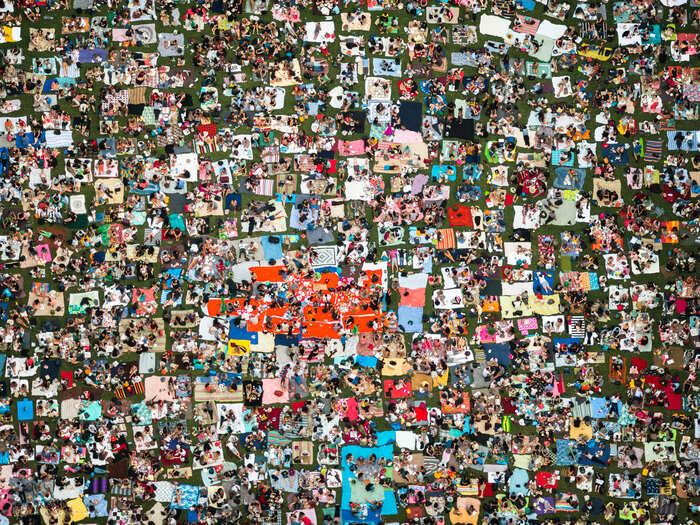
[(556, 158), (692, 92)]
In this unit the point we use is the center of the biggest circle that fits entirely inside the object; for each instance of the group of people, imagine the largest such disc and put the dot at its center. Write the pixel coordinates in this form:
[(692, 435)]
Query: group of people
[(316, 262)]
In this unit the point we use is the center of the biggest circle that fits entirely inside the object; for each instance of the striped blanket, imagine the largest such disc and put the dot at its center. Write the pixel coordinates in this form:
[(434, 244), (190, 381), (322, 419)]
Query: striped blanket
[(446, 239), (594, 30), (210, 145), (526, 25), (579, 281), (431, 464), (130, 389), (275, 438), (652, 150), (305, 163), (264, 187)]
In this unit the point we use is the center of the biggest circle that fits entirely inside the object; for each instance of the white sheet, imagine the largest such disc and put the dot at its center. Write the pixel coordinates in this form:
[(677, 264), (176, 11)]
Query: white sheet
[(77, 204), (317, 31), (553, 31), (512, 289), (494, 26), (633, 38), (453, 299)]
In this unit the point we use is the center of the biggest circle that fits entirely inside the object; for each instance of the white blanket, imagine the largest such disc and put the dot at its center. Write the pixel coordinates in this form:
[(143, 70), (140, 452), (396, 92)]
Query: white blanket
[(492, 25)]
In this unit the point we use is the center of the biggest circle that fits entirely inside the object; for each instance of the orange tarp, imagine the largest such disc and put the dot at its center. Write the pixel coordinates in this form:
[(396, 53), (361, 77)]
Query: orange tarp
[(327, 280), (362, 322), (320, 330), (270, 274), (316, 313), (214, 306)]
